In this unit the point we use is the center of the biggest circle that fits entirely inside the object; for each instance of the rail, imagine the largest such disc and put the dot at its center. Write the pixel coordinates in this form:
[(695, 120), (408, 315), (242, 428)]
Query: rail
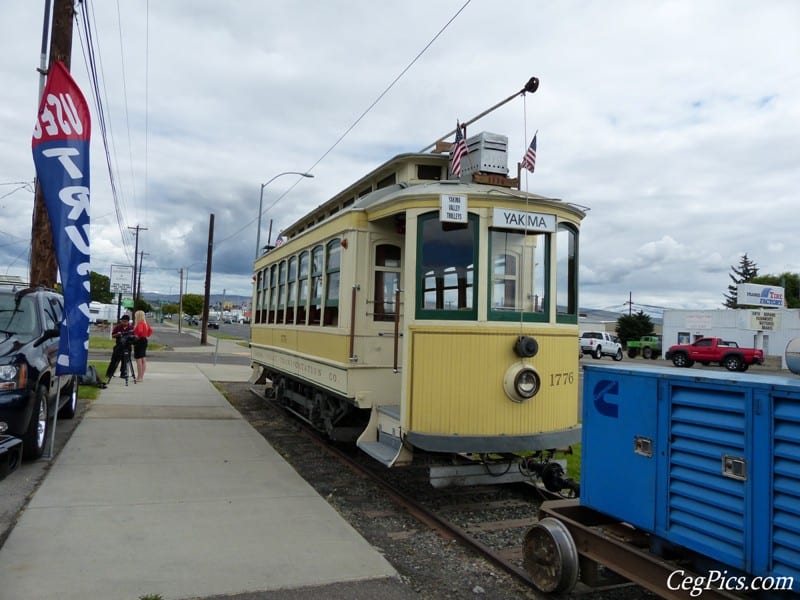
[(396, 327)]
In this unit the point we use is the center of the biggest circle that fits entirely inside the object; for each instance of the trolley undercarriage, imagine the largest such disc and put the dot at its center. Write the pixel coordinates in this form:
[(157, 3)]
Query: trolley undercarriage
[(340, 420)]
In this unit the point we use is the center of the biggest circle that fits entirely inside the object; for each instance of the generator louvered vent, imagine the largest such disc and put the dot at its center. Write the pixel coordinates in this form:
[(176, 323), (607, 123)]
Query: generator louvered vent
[(786, 487), (707, 507)]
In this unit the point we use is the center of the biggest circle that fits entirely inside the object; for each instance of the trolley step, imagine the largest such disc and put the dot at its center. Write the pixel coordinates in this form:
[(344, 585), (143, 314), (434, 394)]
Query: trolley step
[(385, 450), (382, 438)]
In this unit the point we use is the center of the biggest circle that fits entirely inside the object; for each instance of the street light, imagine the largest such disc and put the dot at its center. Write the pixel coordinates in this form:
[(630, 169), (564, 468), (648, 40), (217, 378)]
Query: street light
[(261, 203)]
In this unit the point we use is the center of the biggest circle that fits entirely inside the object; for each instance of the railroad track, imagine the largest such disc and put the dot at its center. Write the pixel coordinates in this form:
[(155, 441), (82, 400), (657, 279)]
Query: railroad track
[(491, 521)]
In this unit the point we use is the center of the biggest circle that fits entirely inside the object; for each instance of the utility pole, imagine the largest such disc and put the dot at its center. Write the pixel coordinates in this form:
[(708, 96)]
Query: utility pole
[(204, 333), (44, 267), (180, 303), (137, 229), (138, 293)]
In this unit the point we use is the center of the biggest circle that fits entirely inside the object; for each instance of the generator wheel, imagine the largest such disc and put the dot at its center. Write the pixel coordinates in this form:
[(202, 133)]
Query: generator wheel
[(550, 556)]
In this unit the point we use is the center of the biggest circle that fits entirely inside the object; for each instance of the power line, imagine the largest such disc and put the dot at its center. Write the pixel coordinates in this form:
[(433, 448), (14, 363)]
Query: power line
[(88, 45), (356, 122)]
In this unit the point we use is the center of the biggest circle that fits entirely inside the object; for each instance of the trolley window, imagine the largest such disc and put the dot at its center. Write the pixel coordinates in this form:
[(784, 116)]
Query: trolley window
[(258, 300), (448, 256), (263, 304), (315, 310), (334, 254), (387, 281), (291, 289), (281, 292), (567, 273), (302, 289), (519, 276), (273, 293)]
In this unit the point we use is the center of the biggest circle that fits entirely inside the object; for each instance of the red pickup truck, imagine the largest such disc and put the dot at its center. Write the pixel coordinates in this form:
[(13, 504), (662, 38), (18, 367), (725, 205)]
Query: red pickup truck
[(715, 350)]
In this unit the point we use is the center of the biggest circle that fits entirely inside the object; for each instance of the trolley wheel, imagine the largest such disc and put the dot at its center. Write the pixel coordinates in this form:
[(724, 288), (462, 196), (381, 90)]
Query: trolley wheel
[(550, 556)]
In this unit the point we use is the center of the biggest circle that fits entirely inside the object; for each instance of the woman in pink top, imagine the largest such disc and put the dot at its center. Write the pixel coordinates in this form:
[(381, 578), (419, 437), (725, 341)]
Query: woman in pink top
[(142, 331)]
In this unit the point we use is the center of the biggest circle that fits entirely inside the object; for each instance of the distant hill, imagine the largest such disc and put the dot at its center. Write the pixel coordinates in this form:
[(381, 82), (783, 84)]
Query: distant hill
[(155, 298)]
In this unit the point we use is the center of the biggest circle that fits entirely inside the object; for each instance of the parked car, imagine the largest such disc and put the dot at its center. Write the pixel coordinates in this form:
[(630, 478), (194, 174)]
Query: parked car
[(601, 343), (706, 350), (649, 346), (29, 389)]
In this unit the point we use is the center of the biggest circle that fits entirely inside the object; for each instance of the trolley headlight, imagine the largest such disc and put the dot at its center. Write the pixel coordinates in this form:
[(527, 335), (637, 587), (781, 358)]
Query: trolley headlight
[(521, 382), (527, 383)]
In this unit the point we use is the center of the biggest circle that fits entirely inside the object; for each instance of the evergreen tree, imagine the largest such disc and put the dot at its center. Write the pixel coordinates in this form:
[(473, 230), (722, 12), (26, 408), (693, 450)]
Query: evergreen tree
[(745, 273), (632, 327)]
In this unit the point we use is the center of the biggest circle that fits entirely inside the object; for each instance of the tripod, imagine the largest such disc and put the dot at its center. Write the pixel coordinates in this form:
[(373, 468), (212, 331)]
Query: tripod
[(122, 357), (126, 364)]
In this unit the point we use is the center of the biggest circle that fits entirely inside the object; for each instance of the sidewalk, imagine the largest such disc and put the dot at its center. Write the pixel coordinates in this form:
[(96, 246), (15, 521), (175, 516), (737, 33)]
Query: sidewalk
[(164, 489)]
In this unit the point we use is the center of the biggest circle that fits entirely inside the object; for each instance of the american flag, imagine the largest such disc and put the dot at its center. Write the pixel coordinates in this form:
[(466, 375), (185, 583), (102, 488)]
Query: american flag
[(457, 152), (529, 160), (279, 241)]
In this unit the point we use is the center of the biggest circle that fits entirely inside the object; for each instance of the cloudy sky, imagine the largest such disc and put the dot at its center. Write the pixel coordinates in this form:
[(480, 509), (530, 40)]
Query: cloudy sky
[(677, 123)]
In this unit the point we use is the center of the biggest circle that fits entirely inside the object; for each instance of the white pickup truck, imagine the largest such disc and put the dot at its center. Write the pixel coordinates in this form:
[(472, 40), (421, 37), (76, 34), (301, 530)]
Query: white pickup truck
[(600, 344)]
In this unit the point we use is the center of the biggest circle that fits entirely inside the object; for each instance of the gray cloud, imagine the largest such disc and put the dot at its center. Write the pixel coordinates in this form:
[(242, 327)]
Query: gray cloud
[(675, 123)]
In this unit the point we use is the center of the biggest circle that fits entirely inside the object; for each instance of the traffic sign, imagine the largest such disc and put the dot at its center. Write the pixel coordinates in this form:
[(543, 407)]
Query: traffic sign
[(121, 279)]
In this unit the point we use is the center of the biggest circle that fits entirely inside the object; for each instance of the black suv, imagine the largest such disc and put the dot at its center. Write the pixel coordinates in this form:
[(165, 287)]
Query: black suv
[(29, 331)]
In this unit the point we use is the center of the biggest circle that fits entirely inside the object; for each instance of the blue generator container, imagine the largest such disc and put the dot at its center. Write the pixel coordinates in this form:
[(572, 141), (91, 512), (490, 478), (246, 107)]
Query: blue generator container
[(705, 460)]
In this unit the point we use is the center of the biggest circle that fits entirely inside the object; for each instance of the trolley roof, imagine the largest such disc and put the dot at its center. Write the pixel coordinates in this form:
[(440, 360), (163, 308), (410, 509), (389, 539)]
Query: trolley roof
[(410, 174)]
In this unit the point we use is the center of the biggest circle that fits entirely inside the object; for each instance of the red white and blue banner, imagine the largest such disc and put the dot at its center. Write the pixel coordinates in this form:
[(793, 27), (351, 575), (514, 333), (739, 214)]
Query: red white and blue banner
[(61, 155)]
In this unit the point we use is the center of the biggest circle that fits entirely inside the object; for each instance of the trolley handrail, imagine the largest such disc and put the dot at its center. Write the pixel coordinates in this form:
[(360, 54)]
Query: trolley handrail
[(353, 358), (396, 325)]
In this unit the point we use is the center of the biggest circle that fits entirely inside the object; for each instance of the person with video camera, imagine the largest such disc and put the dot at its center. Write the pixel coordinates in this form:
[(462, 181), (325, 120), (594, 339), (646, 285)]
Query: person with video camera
[(123, 334)]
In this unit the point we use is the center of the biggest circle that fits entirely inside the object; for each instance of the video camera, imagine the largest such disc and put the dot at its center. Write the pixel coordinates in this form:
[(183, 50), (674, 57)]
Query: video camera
[(126, 338)]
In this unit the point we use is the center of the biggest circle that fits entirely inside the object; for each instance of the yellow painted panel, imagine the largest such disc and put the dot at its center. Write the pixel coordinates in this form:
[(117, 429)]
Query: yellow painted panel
[(326, 344), (322, 357), (456, 381)]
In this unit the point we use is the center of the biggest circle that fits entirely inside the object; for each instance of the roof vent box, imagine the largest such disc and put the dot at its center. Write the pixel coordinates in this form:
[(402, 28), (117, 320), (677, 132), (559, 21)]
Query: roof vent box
[(488, 153)]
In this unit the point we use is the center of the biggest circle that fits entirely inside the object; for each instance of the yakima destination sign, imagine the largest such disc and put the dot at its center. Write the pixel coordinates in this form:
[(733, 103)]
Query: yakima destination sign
[(523, 220)]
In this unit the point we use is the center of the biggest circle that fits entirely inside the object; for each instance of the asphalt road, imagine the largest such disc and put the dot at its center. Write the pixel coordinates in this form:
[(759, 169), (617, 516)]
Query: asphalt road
[(167, 335)]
